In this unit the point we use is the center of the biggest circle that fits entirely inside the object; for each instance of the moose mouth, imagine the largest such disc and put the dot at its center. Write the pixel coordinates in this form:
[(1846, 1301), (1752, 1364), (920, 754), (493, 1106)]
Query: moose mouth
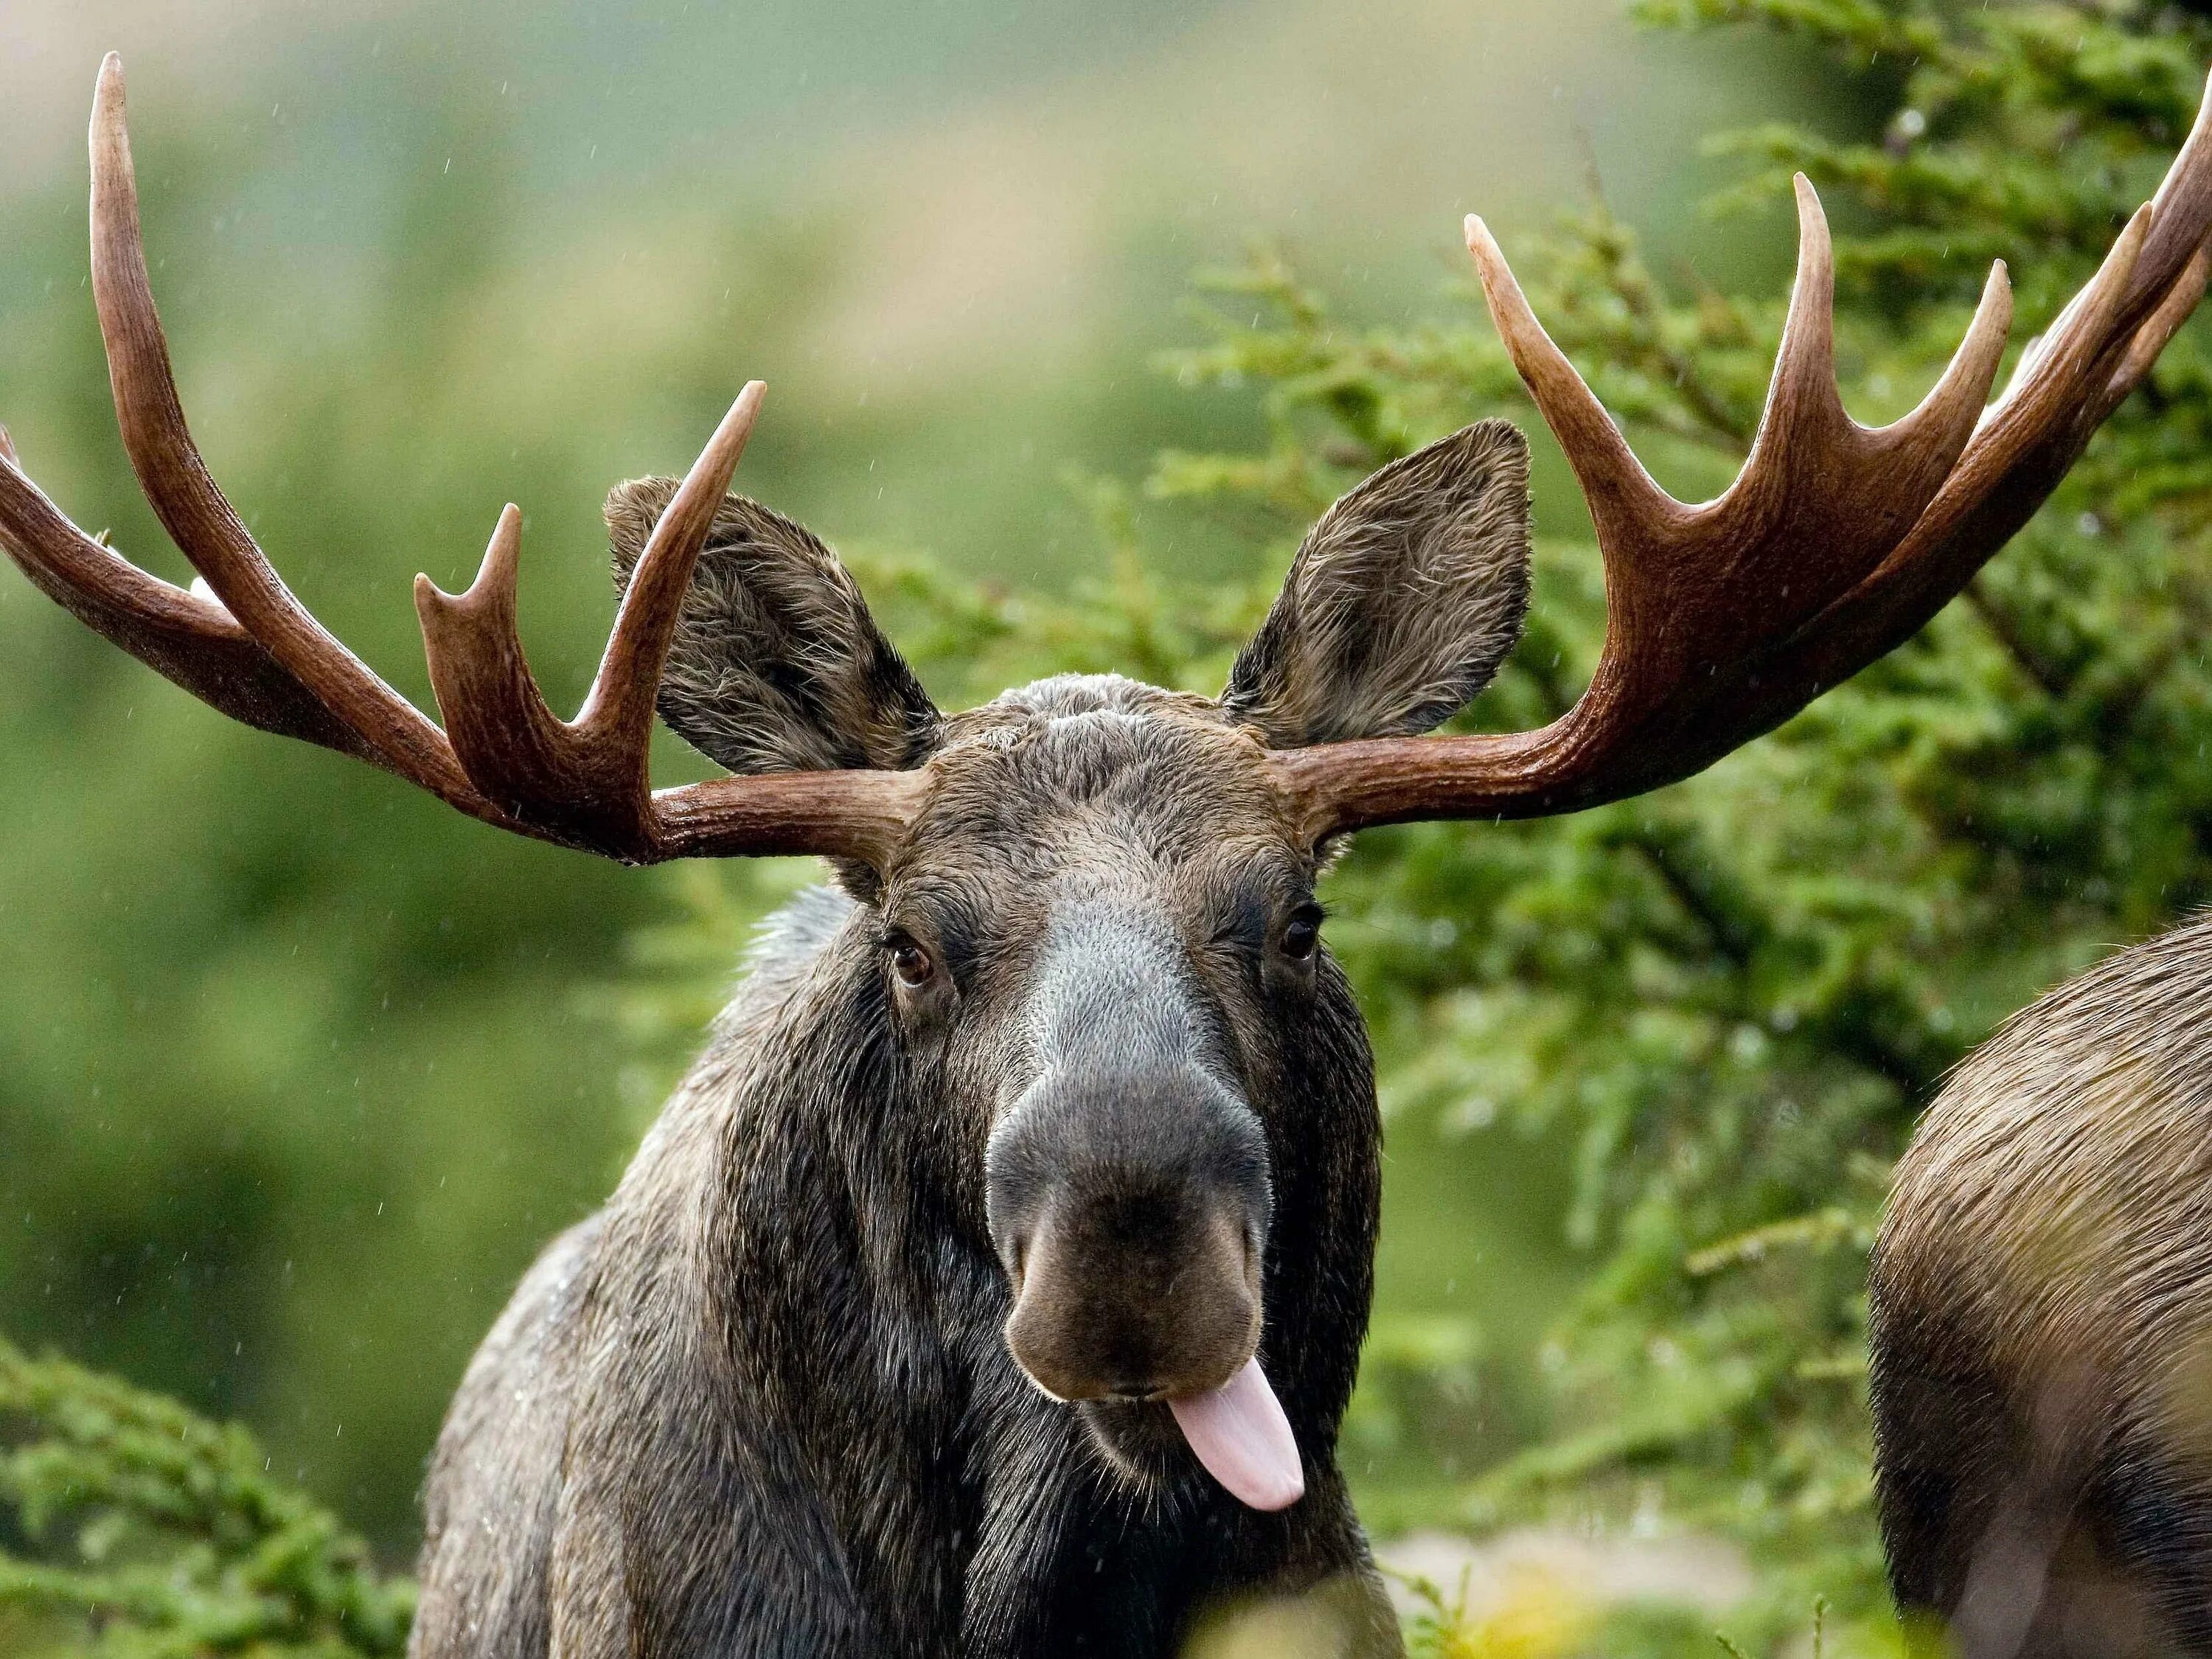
[(1239, 1434), (1129, 1211)]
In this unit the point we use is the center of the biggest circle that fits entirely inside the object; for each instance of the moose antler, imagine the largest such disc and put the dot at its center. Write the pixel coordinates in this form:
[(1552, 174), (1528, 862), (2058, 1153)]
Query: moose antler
[(1834, 544), (239, 640)]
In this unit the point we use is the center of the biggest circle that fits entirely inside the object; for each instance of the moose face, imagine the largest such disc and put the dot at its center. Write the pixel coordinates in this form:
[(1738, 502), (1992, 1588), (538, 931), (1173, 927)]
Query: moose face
[(1098, 934), (1104, 943)]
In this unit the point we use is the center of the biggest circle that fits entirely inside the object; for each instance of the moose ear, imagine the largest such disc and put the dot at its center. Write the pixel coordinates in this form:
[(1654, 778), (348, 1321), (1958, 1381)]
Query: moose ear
[(776, 666), (1403, 602)]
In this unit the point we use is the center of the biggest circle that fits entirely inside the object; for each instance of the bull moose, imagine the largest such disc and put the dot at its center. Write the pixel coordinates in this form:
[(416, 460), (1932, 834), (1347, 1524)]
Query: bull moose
[(995, 1282)]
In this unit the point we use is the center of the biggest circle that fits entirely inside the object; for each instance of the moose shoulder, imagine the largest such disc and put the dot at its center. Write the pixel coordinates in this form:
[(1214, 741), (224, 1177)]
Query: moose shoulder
[(995, 1282)]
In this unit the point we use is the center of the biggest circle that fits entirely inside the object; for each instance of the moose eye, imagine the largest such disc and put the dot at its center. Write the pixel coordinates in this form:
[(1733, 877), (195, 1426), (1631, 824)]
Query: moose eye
[(910, 962), (1302, 935)]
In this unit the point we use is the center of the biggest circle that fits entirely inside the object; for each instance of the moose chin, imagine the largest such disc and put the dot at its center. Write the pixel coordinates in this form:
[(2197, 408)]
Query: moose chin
[(995, 1282)]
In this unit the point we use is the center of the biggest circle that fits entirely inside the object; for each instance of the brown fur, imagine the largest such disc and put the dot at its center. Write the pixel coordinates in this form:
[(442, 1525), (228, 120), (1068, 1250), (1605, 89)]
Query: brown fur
[(2042, 1325), (767, 1400)]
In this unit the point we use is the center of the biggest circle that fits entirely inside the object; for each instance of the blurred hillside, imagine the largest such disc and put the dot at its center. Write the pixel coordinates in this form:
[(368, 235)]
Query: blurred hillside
[(296, 1069)]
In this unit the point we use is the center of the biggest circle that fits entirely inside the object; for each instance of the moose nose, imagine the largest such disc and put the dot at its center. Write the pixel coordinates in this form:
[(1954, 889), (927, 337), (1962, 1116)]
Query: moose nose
[(1131, 1214), (1135, 1296)]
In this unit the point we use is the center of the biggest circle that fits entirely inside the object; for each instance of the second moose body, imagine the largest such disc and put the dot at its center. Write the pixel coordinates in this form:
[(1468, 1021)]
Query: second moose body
[(2040, 1327), (939, 1312)]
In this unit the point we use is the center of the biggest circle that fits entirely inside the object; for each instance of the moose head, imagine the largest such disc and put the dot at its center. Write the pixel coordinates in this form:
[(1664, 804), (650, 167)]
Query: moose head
[(1089, 905)]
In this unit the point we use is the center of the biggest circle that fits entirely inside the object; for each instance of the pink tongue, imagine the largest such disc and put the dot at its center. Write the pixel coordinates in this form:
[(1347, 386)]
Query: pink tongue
[(1239, 1433)]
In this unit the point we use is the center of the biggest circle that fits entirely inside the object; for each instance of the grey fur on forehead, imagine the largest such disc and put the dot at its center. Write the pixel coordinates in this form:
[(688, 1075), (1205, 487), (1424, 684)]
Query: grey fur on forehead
[(1403, 602), (1071, 725), (1065, 700), (1089, 694), (1093, 767)]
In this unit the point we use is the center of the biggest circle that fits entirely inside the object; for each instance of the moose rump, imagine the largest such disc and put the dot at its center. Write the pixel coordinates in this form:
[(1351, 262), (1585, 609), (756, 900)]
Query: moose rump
[(2042, 1326)]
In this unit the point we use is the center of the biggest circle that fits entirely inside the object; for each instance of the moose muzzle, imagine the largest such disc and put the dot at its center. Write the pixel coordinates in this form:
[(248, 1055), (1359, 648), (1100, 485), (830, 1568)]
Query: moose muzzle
[(1131, 1212)]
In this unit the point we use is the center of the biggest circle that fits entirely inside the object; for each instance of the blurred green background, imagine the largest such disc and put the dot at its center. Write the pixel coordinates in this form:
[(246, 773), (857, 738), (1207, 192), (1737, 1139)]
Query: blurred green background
[(298, 1069)]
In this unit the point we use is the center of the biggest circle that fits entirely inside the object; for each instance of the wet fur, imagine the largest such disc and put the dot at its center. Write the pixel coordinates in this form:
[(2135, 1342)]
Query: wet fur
[(2042, 1326), (776, 666), (762, 1403)]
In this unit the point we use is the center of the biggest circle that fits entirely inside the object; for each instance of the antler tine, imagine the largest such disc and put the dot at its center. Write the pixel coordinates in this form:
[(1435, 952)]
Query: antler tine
[(1954, 403), (2181, 209), (189, 640), (1610, 475), (620, 704), (587, 780), (239, 640), (1802, 399), (2085, 329), (390, 730), (2163, 324), (1834, 544), (480, 675)]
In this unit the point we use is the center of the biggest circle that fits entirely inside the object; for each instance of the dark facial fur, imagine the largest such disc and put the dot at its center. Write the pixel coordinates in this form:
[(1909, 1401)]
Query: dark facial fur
[(1111, 1020), (1062, 1114)]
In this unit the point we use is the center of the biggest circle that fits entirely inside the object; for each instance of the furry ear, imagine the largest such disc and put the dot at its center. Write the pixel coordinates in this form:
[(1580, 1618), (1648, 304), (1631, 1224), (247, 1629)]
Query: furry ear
[(776, 666), (1401, 603)]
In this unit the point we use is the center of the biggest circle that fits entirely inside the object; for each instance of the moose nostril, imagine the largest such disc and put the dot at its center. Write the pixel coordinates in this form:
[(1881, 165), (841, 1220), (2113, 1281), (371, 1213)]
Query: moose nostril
[(1136, 1392)]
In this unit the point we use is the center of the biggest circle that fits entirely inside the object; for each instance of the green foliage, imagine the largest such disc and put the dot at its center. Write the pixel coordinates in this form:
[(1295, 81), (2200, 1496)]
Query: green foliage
[(1736, 993), (1723, 1004), (150, 1533), (1731, 997)]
